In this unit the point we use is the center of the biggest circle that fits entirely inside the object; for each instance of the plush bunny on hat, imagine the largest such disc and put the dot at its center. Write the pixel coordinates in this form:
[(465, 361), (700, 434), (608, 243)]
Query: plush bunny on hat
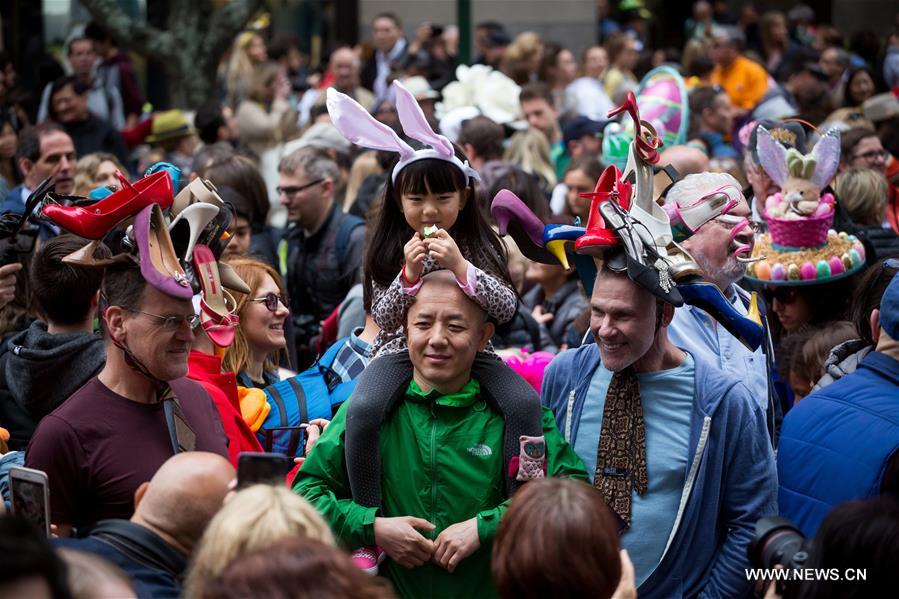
[(801, 178)]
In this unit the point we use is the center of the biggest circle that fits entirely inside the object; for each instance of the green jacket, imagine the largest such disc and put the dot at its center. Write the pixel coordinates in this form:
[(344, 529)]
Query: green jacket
[(441, 461)]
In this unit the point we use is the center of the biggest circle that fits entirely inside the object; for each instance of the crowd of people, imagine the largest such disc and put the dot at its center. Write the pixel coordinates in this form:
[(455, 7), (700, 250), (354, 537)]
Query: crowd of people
[(514, 339)]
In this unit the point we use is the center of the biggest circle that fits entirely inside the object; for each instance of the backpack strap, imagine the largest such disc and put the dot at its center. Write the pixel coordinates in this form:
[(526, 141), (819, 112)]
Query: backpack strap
[(348, 224)]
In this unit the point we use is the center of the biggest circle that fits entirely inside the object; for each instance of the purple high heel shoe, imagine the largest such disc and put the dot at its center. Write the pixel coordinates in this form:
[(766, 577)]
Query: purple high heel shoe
[(158, 263), (512, 216)]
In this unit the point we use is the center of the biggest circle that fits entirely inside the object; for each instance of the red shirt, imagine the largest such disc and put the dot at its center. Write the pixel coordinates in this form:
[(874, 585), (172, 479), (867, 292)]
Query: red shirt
[(98, 447), (222, 387)]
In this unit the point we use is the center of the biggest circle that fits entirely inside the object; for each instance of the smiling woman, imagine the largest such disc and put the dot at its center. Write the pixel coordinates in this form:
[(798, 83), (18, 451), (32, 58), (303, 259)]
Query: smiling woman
[(260, 335)]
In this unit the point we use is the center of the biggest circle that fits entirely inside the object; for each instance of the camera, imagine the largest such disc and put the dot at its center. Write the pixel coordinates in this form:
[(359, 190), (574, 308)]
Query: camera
[(778, 541)]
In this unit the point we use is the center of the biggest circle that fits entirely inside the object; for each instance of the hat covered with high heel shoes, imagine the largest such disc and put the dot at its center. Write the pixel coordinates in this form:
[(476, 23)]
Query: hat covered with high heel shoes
[(177, 254), (629, 230)]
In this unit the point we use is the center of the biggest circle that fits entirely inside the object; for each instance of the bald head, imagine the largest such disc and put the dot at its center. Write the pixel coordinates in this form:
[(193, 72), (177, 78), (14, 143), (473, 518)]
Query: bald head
[(686, 159), (445, 329), (345, 66), (183, 496)]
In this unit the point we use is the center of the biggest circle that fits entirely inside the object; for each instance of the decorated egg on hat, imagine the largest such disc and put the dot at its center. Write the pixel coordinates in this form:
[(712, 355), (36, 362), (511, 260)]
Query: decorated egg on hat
[(855, 257), (793, 272), (778, 272), (807, 271), (823, 269), (763, 270), (836, 266), (847, 261)]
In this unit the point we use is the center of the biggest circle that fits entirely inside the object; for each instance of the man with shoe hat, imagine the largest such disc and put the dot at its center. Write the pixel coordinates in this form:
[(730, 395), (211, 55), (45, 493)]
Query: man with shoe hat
[(678, 448)]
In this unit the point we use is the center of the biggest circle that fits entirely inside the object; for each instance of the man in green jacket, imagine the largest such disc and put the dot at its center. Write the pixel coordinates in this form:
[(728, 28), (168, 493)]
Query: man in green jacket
[(442, 459)]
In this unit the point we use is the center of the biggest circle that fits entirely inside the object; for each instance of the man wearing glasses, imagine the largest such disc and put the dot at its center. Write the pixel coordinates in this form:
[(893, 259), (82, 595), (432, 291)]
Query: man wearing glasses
[(719, 245), (112, 434), (324, 245)]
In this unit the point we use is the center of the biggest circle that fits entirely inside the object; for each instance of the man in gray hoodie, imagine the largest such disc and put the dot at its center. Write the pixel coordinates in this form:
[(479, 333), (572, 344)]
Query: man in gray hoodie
[(43, 365)]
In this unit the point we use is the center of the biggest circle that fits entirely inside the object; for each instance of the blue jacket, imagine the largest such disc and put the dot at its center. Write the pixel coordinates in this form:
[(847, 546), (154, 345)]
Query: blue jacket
[(154, 567), (837, 442), (731, 481), (15, 202)]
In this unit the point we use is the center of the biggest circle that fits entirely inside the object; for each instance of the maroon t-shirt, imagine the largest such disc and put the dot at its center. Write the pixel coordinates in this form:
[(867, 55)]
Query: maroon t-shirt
[(98, 447)]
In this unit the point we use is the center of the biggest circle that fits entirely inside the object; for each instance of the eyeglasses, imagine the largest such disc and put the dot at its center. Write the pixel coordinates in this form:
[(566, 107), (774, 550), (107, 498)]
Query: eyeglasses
[(784, 295), (271, 300), (293, 190), (171, 323), (872, 155)]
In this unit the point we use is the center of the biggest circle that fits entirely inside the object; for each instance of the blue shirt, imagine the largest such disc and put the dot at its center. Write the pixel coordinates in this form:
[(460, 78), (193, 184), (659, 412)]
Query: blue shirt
[(667, 398), (695, 331), (352, 358)]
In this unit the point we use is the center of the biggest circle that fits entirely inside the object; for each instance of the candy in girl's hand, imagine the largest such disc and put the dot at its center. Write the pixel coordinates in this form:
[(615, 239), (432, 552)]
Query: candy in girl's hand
[(430, 231)]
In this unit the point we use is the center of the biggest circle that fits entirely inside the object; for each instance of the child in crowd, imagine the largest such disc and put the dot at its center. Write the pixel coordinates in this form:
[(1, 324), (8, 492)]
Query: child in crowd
[(428, 221)]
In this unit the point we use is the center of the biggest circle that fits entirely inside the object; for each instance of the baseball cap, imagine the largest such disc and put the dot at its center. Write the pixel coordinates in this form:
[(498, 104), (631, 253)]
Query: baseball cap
[(789, 134), (889, 309), (580, 126)]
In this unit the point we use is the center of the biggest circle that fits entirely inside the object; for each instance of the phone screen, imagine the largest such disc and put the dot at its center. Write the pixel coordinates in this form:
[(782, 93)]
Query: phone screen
[(265, 468), (28, 502)]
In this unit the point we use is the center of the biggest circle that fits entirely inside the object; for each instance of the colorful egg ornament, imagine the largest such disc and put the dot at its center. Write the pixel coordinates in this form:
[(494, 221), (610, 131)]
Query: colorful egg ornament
[(778, 272), (793, 272), (823, 270), (836, 266), (763, 270), (807, 271)]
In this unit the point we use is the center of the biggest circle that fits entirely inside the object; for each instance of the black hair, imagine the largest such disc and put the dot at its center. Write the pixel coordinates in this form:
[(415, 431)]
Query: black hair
[(391, 16), (123, 285), (867, 295), (848, 100), (208, 120), (472, 233), (95, 32), (862, 535), (64, 291), (30, 140), (25, 553)]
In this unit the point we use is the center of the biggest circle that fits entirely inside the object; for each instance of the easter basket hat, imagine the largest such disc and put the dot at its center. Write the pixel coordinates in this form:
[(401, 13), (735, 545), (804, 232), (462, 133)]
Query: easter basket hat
[(800, 247)]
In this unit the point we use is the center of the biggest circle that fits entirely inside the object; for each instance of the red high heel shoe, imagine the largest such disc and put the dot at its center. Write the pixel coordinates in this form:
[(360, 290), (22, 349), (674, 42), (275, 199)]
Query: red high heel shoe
[(609, 187), (95, 221), (648, 142)]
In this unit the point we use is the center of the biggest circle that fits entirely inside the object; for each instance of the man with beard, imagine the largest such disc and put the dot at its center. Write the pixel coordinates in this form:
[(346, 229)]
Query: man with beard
[(719, 246)]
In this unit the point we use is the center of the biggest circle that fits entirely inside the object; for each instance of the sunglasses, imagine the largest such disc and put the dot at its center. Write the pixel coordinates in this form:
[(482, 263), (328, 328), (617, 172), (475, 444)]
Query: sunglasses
[(784, 295), (271, 300)]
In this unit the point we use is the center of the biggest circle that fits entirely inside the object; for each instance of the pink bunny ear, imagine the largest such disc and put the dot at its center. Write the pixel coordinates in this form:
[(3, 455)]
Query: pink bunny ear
[(360, 128), (415, 125), (827, 157), (772, 156)]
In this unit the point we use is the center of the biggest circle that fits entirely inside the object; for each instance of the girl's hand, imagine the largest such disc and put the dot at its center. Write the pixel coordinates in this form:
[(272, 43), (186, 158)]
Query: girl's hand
[(414, 252), (444, 249)]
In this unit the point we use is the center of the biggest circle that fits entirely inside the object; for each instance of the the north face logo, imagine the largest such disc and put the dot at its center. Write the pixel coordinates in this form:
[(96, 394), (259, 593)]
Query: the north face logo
[(480, 450)]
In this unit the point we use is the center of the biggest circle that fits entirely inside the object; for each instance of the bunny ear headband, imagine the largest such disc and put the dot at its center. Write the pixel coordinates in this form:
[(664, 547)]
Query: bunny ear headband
[(362, 129)]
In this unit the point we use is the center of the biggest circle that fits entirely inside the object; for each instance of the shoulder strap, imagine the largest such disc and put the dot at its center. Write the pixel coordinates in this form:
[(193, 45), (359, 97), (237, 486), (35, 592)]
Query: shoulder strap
[(348, 224), (533, 328)]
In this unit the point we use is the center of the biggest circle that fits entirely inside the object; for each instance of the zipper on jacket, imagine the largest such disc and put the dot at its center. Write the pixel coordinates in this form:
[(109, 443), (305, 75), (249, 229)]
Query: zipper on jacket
[(568, 416), (433, 463), (691, 478)]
